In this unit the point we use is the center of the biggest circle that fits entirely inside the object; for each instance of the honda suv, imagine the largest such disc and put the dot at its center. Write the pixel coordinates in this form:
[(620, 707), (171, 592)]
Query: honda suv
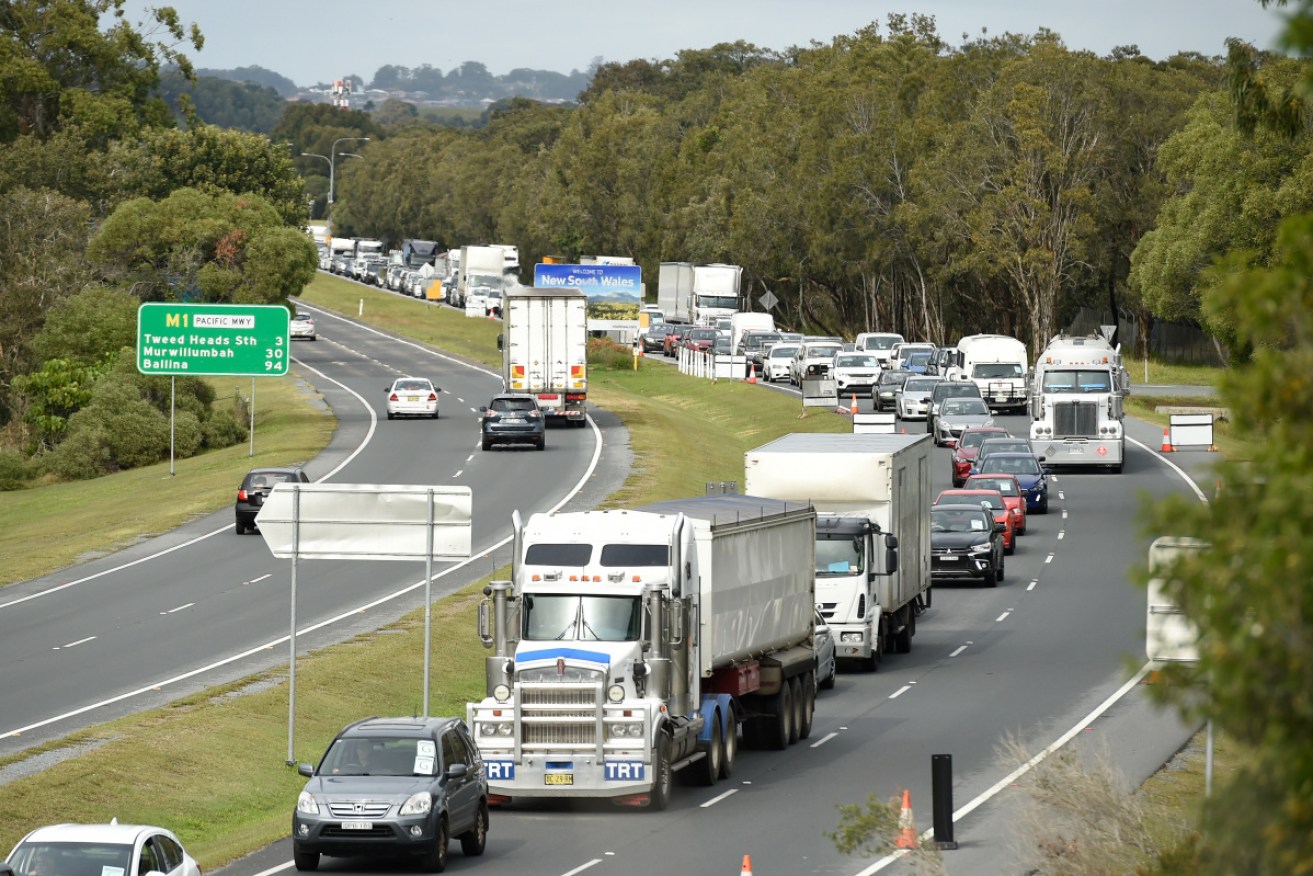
[(390, 786)]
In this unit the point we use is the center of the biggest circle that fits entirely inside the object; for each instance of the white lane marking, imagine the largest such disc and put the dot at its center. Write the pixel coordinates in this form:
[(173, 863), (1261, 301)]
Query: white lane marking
[(958, 650), (179, 608), (898, 693), (349, 614), (1061, 495), (74, 644), (1065, 737), (261, 578), (1002, 617), (714, 800), (470, 458), (1064, 514), (373, 425), (458, 473), (1062, 533), (1048, 559), (582, 867), (824, 739), (1032, 584)]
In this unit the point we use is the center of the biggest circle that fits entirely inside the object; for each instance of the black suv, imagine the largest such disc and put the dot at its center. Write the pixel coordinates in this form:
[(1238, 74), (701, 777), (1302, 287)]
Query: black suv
[(512, 418), (965, 543), (392, 786), (255, 489)]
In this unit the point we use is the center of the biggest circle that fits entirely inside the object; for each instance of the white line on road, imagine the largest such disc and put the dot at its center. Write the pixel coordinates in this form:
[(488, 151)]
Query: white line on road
[(1061, 495), (1048, 559), (824, 739), (179, 608), (958, 650), (1002, 617), (898, 693), (582, 867), (1062, 533), (1032, 584), (714, 800), (1064, 514), (74, 644), (459, 473)]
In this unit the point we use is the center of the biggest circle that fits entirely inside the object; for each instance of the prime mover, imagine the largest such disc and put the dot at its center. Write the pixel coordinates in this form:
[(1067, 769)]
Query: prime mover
[(631, 644)]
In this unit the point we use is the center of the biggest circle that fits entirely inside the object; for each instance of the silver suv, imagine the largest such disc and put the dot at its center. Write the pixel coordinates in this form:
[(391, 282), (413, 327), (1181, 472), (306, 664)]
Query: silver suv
[(393, 786)]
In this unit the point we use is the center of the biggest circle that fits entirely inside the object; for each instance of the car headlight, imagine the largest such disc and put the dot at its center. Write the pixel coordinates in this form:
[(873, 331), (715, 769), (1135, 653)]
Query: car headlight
[(981, 548), (306, 804), (419, 804), (501, 693)]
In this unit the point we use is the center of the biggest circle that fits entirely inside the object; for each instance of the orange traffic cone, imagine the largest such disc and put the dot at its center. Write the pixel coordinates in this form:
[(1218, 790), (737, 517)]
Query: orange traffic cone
[(1167, 440), (747, 866), (752, 373), (854, 408), (906, 829)]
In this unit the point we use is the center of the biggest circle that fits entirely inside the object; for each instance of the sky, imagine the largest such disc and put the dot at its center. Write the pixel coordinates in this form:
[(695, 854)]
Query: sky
[(313, 42)]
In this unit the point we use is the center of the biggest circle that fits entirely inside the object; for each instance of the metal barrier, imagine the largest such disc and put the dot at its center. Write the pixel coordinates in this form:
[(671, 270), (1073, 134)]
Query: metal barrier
[(1191, 430)]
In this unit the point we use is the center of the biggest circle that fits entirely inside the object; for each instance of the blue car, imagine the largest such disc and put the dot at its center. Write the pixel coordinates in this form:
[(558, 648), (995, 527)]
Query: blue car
[(917, 362), (1030, 475)]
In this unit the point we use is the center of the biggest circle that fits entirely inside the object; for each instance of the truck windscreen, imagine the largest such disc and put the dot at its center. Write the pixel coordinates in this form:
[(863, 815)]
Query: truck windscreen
[(582, 618), (1070, 380), (724, 302), (841, 555)]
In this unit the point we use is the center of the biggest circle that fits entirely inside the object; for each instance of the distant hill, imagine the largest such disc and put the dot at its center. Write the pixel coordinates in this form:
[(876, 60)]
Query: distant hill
[(260, 76)]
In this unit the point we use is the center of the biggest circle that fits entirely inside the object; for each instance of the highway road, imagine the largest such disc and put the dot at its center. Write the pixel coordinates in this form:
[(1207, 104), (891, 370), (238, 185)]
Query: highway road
[(203, 605), (1042, 659)]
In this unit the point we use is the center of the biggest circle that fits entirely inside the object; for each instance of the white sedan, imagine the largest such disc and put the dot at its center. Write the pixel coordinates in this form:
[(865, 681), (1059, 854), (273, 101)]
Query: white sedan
[(777, 362), (412, 397), (130, 849)]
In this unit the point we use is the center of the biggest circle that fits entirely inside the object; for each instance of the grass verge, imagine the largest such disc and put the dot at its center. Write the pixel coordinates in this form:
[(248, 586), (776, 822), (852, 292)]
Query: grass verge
[(52, 527)]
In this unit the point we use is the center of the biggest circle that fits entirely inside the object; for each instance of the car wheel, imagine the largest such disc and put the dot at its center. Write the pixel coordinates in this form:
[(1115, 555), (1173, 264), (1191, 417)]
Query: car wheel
[(827, 682), (542, 444), (241, 528), (1043, 506), (435, 859), (991, 578), (305, 861), (391, 415), (435, 415), (730, 741), (475, 840), (1010, 549)]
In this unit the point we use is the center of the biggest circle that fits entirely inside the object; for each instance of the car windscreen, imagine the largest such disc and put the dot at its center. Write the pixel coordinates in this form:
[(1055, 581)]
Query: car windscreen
[(881, 343), (972, 439), (513, 404), (850, 360), (959, 521), (783, 351), (915, 386), (895, 378), (1009, 465), (412, 386), (964, 407), (1006, 486), (956, 498), (59, 858), (823, 351)]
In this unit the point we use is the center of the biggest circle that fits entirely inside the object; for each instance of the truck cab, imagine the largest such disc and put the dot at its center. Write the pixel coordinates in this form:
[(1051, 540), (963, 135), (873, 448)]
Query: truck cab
[(851, 552)]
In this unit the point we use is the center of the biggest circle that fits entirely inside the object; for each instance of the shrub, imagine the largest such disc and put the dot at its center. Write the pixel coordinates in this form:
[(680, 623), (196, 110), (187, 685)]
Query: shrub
[(607, 354), (188, 434), (223, 429), (84, 454), (14, 469)]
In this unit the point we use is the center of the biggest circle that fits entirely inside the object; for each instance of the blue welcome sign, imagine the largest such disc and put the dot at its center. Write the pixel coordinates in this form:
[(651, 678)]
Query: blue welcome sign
[(613, 282)]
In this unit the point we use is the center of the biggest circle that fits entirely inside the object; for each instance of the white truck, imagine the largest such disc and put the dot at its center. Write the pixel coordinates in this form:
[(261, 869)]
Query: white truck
[(630, 644), (482, 279), (341, 254), (545, 349), (998, 364), (872, 495), (716, 292), (1076, 393), (605, 260), (675, 291)]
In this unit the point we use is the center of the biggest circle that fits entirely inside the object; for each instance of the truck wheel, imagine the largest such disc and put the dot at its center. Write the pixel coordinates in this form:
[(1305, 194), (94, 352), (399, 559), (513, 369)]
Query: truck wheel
[(903, 638), (731, 742), (662, 777), (781, 728), (808, 705), (715, 754), (795, 693)]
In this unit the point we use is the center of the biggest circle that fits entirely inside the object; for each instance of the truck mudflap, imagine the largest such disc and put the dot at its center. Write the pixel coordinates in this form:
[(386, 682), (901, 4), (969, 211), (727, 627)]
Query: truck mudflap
[(1059, 452)]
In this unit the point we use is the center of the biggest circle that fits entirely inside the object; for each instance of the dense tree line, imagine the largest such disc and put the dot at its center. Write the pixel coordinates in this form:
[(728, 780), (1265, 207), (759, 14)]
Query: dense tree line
[(107, 203), (882, 181)]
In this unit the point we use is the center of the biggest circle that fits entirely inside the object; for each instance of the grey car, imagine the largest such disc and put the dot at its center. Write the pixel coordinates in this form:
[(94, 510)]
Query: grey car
[(393, 786), (826, 661), (957, 415)]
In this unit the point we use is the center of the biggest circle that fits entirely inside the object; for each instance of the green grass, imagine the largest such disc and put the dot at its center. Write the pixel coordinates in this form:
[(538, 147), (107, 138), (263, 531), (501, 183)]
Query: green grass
[(1168, 374), (48, 528)]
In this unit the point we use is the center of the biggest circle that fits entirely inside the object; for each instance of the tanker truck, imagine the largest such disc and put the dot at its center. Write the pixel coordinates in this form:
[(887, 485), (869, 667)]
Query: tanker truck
[(632, 644)]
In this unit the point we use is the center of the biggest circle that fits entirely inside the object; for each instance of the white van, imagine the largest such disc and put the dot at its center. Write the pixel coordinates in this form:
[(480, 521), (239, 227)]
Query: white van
[(997, 364), (878, 344)]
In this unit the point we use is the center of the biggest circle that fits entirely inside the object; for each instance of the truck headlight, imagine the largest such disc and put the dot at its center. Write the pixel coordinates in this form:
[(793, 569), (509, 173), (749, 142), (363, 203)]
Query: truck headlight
[(850, 637), (495, 728), (306, 804), (501, 693)]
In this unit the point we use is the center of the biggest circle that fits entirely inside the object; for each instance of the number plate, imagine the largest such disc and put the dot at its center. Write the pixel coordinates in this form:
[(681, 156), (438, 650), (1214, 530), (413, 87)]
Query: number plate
[(514, 421), (357, 825), (1075, 450), (413, 398), (949, 559), (558, 779)]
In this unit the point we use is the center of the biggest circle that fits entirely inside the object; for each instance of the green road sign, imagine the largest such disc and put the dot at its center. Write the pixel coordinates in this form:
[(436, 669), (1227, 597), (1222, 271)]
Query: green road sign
[(244, 340)]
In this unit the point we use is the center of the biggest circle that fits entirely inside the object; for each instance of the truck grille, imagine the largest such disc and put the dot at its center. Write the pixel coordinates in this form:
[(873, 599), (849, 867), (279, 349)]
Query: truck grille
[(565, 715), (1076, 419)]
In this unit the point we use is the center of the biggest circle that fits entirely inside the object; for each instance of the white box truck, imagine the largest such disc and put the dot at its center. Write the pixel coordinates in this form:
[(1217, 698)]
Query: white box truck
[(630, 644), (545, 349), (716, 292), (995, 363), (748, 322), (482, 279), (872, 495), (675, 291)]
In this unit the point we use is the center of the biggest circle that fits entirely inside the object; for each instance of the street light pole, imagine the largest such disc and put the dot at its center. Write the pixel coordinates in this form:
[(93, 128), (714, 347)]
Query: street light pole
[(332, 162), (330, 174)]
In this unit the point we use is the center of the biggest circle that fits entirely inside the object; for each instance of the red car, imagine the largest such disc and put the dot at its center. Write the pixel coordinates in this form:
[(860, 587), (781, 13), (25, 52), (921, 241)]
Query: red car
[(673, 338), (995, 500), (1012, 495), (700, 340), (968, 444)]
